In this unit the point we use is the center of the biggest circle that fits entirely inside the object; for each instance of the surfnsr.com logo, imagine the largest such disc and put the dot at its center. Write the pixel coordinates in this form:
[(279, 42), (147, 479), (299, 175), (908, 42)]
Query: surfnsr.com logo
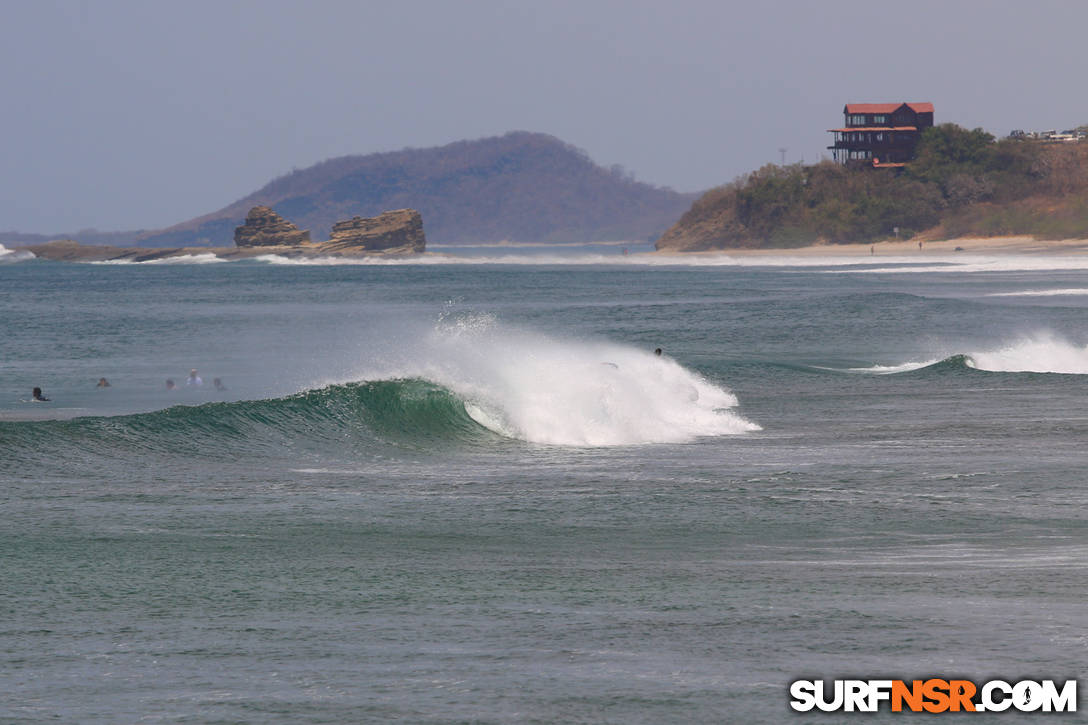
[(933, 695)]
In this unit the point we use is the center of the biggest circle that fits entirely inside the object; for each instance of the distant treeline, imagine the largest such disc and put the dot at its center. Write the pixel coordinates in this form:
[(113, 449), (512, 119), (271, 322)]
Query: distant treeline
[(962, 183)]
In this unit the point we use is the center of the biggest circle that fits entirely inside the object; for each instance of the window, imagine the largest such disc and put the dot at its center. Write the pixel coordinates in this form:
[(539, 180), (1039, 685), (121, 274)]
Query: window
[(880, 119)]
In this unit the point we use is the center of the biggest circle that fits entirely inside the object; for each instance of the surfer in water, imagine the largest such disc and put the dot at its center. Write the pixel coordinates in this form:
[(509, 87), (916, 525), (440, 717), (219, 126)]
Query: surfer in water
[(38, 397), (194, 379), (657, 351), (103, 383)]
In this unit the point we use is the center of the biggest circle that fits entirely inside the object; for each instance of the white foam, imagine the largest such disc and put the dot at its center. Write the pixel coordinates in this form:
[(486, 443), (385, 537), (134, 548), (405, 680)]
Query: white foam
[(1071, 292), (631, 260), (546, 390), (506, 259), (14, 255), (1039, 353), (892, 369), (187, 259), (929, 263), (974, 263), (208, 258)]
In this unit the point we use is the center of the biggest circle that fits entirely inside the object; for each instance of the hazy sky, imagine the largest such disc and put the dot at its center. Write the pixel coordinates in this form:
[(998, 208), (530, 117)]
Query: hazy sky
[(129, 114)]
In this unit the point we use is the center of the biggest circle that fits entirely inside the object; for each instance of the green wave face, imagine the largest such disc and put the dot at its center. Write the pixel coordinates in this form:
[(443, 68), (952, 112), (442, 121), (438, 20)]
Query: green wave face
[(409, 413)]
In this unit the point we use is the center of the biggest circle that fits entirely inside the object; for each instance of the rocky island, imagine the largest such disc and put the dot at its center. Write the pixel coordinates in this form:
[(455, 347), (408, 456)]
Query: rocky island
[(392, 233), (265, 228)]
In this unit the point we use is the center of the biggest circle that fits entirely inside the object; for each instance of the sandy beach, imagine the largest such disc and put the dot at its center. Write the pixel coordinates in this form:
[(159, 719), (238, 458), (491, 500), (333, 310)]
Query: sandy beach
[(973, 245)]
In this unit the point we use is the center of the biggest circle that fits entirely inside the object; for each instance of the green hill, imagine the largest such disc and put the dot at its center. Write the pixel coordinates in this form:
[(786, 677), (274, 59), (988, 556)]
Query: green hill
[(962, 183), (518, 187)]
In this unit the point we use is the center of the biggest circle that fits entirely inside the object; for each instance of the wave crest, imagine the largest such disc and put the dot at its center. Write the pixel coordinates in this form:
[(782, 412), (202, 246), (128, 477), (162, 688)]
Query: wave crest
[(1038, 353), (539, 389)]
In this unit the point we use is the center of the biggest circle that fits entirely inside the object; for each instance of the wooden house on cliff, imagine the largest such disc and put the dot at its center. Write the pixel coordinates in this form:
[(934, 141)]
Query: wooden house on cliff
[(881, 134)]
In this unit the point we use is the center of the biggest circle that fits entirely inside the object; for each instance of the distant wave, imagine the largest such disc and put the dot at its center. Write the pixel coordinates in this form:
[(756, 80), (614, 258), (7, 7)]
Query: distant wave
[(893, 369), (973, 263), (831, 263), (1072, 292), (1040, 353), (8, 256), (208, 258), (501, 259), (537, 259)]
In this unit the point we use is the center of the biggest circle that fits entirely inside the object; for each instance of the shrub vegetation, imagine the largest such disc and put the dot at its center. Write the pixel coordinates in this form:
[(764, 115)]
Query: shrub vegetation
[(961, 183)]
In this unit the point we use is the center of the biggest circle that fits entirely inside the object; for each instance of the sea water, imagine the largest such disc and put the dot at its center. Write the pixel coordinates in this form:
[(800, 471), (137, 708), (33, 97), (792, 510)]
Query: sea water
[(466, 489)]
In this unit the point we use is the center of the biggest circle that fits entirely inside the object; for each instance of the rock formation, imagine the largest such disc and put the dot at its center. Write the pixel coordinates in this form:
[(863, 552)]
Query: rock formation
[(397, 232), (266, 228)]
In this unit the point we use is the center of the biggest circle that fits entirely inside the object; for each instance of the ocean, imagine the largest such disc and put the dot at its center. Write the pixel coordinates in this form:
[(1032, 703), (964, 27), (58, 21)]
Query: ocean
[(467, 490)]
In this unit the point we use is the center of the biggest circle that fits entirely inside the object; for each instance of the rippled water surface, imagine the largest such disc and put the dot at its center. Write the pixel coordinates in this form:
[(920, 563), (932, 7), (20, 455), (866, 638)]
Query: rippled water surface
[(471, 492)]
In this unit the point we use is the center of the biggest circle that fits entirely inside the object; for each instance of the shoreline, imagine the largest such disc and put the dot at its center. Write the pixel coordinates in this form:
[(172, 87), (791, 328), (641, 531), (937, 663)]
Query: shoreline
[(1010, 245), (69, 251)]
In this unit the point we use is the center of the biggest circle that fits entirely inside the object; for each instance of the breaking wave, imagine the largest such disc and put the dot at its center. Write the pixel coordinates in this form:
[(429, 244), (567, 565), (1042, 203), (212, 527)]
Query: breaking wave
[(532, 387), (1070, 292), (14, 255), (207, 258), (1040, 353), (470, 380), (1044, 353), (974, 263)]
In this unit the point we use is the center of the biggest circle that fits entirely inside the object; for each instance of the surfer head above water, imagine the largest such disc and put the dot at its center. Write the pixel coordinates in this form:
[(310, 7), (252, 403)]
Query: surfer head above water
[(37, 393)]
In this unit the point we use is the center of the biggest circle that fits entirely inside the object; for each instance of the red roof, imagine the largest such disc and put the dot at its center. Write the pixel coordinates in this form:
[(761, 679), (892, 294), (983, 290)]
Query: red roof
[(887, 107)]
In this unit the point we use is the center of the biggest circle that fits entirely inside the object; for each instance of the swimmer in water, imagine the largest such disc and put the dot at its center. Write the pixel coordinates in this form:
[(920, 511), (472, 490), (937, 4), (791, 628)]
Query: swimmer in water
[(657, 351), (170, 384), (38, 397), (103, 383), (194, 379), (219, 384)]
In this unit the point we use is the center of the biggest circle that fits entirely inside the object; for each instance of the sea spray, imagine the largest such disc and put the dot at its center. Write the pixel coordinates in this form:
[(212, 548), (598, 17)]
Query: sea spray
[(14, 255), (1043, 352), (542, 389), (1039, 353)]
